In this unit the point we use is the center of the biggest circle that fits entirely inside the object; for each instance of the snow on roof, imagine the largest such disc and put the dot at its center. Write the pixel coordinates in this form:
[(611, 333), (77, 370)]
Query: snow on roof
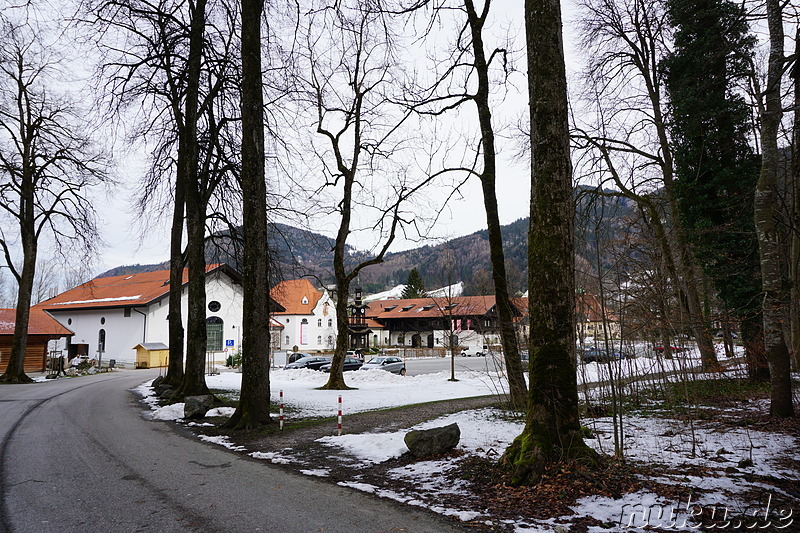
[(100, 300)]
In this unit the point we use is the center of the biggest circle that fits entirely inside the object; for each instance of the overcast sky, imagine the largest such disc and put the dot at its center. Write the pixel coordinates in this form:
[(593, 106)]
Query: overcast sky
[(463, 215)]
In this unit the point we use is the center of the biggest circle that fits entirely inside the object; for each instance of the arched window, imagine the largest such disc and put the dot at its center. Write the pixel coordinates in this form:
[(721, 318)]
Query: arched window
[(214, 334), (330, 340), (101, 341), (319, 340), (330, 322), (319, 322), (287, 340)]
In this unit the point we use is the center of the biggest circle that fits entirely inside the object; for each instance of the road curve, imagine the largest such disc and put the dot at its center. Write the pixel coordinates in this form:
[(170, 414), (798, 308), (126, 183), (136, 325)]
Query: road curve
[(76, 455)]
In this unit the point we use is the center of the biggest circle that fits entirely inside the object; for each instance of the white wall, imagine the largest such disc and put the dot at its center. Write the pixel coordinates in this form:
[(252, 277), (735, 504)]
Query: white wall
[(292, 328), (122, 333)]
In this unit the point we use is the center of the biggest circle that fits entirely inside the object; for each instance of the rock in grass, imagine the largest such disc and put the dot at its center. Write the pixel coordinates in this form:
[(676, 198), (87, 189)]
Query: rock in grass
[(197, 406), (434, 441)]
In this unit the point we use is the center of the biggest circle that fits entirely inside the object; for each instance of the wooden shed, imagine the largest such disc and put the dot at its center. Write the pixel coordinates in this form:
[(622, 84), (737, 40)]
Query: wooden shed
[(42, 328), (151, 355)]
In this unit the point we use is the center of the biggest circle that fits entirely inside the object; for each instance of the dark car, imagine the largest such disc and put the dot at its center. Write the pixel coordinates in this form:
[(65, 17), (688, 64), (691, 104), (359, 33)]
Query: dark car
[(350, 363), (595, 355), (313, 362), (390, 364), (295, 356)]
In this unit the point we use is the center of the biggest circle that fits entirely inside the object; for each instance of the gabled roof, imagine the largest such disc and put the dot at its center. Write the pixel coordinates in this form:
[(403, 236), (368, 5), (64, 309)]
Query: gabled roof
[(40, 323), (123, 291), (297, 296), (431, 307)]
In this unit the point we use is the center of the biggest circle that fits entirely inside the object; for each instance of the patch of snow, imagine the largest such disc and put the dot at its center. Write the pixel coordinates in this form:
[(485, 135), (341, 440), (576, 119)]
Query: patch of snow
[(101, 300), (221, 411), (223, 440), (169, 412), (318, 472), (272, 457)]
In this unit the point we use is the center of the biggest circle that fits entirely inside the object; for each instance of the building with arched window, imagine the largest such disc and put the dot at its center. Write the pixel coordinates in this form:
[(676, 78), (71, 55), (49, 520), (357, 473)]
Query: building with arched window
[(111, 316), (309, 316)]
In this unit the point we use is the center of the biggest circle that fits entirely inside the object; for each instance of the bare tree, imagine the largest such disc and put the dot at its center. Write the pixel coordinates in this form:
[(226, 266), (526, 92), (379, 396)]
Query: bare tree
[(629, 140), (48, 163), (775, 294), (253, 408), (552, 430), (351, 69)]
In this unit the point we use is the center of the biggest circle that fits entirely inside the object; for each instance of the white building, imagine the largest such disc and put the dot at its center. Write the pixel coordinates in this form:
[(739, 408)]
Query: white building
[(309, 318), (110, 316)]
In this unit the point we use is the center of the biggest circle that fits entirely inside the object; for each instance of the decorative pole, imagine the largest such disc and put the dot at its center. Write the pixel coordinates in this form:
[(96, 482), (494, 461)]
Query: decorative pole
[(280, 415), (339, 425)]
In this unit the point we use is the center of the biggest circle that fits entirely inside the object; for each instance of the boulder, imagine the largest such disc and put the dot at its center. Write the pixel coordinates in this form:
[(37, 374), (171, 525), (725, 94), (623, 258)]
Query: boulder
[(435, 441), (159, 389), (157, 381), (166, 393), (197, 406)]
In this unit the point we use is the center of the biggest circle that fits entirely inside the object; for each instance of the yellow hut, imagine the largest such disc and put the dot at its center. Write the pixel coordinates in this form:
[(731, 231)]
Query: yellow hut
[(151, 355)]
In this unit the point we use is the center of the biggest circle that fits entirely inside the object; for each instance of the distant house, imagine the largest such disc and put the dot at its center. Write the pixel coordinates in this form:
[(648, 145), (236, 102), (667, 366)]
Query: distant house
[(308, 318), (588, 314), (111, 316), (42, 328), (429, 322)]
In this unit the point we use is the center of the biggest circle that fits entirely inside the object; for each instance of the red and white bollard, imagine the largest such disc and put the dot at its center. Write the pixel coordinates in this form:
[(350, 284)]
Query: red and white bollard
[(280, 416), (339, 425)]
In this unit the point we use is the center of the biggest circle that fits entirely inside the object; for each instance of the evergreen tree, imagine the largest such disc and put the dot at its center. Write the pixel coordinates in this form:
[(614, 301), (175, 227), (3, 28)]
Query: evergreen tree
[(415, 286), (716, 167)]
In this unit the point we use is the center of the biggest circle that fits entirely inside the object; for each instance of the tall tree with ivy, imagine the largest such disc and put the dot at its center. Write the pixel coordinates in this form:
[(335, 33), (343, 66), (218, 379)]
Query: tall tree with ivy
[(415, 286), (716, 166)]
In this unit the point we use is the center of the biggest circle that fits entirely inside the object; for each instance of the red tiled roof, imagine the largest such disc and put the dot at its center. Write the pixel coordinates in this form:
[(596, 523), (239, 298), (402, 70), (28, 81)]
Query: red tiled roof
[(40, 323), (431, 307), (292, 293), (117, 291)]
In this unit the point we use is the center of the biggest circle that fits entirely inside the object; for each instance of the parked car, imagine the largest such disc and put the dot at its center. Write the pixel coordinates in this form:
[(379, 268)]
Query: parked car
[(388, 363), (313, 362), (350, 363), (295, 356)]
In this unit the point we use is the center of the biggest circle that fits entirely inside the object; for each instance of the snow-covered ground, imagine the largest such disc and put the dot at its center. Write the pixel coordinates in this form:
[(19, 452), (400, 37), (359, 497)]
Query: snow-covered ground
[(733, 454)]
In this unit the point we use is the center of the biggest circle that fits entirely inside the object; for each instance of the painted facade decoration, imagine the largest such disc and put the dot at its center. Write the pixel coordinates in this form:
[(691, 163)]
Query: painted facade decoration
[(309, 318)]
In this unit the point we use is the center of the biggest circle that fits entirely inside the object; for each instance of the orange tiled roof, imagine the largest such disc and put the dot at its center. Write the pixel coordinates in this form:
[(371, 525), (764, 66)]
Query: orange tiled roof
[(431, 307), (40, 323), (292, 293), (117, 291)]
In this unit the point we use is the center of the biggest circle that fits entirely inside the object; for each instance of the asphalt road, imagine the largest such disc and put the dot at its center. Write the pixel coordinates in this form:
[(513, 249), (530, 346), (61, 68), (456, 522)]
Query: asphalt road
[(415, 367), (76, 455)]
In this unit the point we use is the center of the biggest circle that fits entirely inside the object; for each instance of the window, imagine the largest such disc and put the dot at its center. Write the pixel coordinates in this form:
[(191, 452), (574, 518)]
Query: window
[(127, 312), (319, 340), (102, 320), (214, 329), (101, 341), (330, 340), (69, 321), (330, 322), (400, 339), (305, 301), (287, 339), (319, 322), (214, 306)]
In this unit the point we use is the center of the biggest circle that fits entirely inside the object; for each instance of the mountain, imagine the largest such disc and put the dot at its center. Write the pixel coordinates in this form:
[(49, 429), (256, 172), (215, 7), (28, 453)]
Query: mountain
[(297, 252)]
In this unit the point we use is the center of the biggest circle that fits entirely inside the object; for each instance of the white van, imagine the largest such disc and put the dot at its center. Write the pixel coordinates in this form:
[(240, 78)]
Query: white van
[(475, 350)]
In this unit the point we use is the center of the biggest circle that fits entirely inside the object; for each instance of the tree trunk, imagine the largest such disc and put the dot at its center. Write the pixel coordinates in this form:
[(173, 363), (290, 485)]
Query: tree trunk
[(794, 259), (194, 379), (505, 314), (552, 427), (253, 409), (176, 265), (766, 200), (15, 370)]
